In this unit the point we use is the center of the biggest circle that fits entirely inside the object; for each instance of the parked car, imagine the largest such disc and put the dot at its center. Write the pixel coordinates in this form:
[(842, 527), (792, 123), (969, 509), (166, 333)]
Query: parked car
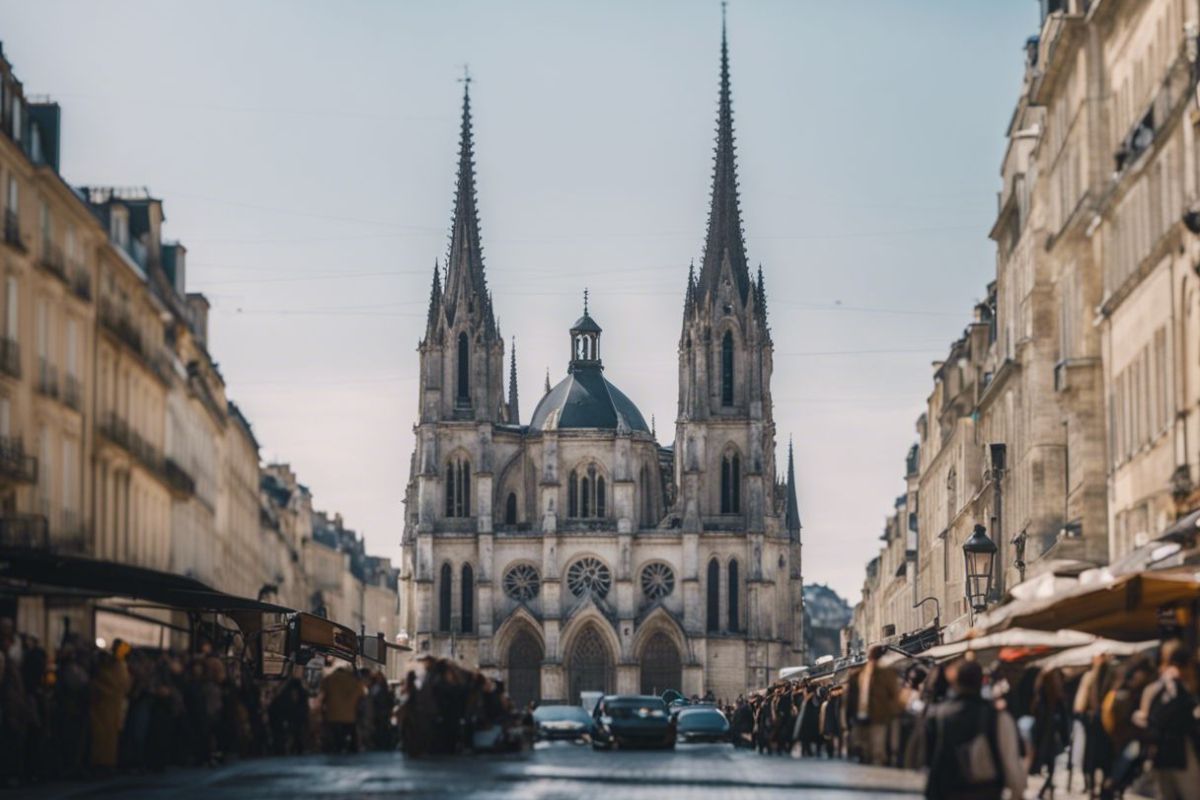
[(702, 724), (562, 723), (633, 721)]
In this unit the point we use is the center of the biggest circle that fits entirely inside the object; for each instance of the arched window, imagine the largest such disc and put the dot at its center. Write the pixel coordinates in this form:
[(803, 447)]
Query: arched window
[(445, 595), (714, 596), (510, 509), (733, 595), (468, 599), (458, 488), (464, 369), (731, 483), (727, 369), (587, 495)]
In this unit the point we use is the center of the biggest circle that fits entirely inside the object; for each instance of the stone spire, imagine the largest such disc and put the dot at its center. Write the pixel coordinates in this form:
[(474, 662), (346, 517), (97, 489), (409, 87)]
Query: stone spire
[(793, 505), (466, 285), (724, 239), (514, 410), (547, 389), (435, 299)]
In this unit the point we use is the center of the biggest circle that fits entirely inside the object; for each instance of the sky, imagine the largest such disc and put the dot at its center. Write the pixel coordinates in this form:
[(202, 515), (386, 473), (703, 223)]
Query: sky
[(305, 153)]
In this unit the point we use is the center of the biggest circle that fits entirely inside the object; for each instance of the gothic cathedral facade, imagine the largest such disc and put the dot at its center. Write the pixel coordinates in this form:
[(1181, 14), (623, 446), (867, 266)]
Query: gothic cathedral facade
[(572, 552)]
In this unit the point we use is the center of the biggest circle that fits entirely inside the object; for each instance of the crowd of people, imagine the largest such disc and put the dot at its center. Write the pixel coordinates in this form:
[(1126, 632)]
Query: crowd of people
[(980, 731), (451, 709), (92, 710)]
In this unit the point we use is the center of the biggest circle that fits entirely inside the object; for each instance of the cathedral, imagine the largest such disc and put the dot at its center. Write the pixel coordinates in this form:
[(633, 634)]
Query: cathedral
[(570, 551)]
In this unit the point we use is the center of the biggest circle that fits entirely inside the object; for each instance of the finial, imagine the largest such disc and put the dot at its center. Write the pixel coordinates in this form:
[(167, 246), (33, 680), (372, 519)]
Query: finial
[(585, 301), (547, 380), (466, 76), (653, 427)]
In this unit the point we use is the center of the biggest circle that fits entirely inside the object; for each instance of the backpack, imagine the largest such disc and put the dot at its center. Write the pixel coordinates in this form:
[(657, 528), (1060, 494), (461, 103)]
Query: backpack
[(971, 767)]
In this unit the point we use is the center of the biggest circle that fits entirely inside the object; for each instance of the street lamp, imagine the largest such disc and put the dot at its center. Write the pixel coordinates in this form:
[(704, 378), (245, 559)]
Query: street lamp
[(979, 552)]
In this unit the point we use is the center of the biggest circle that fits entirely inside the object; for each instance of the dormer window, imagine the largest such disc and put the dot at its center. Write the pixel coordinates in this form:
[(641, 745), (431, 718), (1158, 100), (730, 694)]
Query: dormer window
[(118, 228)]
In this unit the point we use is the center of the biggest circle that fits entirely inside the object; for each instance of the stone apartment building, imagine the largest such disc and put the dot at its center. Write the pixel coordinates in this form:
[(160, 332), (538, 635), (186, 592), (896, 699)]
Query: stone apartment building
[(1078, 440), (117, 440)]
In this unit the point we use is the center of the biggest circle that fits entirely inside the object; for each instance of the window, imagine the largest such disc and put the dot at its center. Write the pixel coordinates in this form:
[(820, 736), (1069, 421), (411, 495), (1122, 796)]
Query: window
[(647, 501), (589, 575), (731, 483), (458, 488), (10, 307), (522, 583), (14, 195), (733, 595), (468, 599), (510, 509), (445, 593), (714, 596), (658, 580), (464, 369), (727, 369), (44, 224), (72, 348), (951, 496), (586, 495)]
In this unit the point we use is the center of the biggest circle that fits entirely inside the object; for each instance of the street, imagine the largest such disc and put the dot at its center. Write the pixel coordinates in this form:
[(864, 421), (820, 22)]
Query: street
[(550, 771)]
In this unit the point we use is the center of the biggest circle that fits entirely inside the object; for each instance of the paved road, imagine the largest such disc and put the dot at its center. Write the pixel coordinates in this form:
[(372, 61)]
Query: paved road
[(554, 771)]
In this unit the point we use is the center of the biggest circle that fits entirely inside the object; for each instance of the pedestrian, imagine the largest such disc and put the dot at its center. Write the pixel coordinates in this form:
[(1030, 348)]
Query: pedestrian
[(1097, 747), (877, 705), (1168, 715), (341, 691), (1120, 705), (1051, 726), (973, 748), (109, 694)]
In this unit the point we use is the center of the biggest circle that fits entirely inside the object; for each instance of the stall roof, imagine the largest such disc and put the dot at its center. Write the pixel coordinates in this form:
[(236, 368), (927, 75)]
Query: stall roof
[(1125, 608), (39, 572)]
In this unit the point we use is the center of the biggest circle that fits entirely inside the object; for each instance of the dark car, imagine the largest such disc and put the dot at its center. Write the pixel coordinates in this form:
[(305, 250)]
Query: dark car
[(702, 724), (559, 723), (633, 721)]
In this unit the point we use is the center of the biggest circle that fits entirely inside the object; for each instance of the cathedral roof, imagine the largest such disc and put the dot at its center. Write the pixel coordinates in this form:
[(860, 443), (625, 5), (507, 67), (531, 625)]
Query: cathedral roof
[(586, 399)]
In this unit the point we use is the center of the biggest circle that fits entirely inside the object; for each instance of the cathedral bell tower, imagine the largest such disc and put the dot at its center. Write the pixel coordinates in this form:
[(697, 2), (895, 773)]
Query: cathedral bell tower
[(462, 353), (725, 433)]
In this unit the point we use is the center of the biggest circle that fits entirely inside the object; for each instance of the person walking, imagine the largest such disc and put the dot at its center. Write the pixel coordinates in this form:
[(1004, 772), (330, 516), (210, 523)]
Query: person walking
[(878, 703), (1051, 726), (1097, 747), (1116, 715), (109, 693), (973, 748), (341, 691), (1169, 717)]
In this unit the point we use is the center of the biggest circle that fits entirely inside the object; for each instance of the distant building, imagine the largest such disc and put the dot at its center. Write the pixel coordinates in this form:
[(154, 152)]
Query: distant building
[(826, 614)]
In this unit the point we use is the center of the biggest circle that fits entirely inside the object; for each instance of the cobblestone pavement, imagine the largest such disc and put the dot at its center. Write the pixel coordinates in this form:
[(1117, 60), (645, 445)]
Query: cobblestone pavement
[(556, 771)]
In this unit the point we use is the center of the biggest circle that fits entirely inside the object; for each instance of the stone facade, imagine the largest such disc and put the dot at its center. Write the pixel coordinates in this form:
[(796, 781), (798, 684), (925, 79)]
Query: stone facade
[(117, 441), (1074, 436), (574, 552)]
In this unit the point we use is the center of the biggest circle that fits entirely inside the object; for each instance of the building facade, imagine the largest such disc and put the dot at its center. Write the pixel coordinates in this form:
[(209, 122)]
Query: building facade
[(573, 552), (1075, 438)]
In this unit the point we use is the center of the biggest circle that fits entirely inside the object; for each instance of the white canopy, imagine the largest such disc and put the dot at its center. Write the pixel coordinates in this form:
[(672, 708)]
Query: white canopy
[(1082, 656)]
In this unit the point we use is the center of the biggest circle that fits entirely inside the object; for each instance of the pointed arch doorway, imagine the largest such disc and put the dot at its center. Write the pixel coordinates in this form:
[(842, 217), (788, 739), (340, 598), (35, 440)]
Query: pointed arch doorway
[(589, 665), (525, 669), (661, 665)]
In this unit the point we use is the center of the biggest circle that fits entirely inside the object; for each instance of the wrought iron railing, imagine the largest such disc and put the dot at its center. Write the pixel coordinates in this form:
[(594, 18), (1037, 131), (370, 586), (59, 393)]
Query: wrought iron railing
[(16, 466)]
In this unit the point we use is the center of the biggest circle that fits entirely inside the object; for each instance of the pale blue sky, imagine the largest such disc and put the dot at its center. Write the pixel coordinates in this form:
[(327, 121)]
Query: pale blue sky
[(305, 152)]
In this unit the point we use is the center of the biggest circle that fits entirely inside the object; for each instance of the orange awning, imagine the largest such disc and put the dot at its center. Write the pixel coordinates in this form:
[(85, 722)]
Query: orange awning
[(1126, 608)]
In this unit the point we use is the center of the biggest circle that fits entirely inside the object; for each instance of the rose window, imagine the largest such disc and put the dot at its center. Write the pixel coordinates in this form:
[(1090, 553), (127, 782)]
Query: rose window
[(589, 575), (658, 581), (522, 583)]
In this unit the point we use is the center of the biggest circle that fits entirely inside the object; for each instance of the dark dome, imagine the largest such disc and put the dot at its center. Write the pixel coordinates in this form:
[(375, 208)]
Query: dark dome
[(585, 399)]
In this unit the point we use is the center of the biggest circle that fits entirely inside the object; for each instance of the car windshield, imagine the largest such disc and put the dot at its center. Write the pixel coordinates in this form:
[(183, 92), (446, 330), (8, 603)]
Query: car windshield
[(560, 714), (636, 707), (701, 719)]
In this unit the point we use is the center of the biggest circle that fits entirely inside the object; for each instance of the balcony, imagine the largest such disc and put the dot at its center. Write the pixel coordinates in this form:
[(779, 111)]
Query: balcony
[(10, 357), (52, 261), (72, 392), (24, 532), (81, 282), (117, 431), (47, 384), (12, 229), (118, 323), (15, 465), (178, 479), (71, 536)]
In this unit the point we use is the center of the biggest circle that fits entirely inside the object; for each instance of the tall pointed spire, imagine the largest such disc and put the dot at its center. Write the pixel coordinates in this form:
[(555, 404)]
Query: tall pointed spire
[(435, 297), (724, 238), (514, 411), (793, 505), (547, 389), (464, 261)]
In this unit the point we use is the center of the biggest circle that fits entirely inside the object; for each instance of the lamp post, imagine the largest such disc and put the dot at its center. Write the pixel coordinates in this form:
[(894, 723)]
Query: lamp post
[(979, 553)]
